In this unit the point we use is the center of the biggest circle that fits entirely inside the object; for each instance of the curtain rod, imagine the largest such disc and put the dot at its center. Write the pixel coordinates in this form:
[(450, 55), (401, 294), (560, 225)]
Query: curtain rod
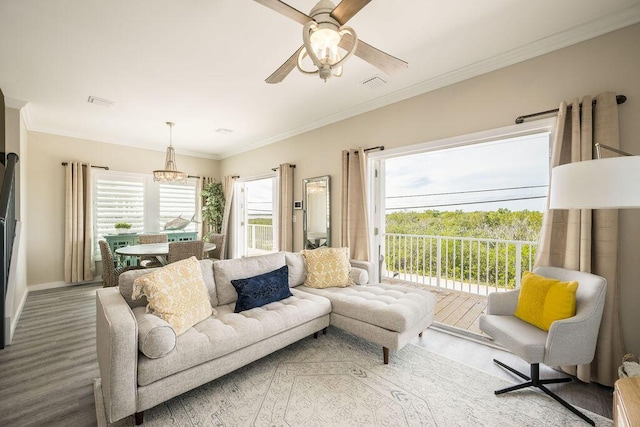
[(620, 99), (379, 147), (291, 166), (93, 166)]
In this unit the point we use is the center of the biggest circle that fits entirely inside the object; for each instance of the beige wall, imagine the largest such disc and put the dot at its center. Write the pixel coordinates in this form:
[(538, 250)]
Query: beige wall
[(607, 63), (45, 180)]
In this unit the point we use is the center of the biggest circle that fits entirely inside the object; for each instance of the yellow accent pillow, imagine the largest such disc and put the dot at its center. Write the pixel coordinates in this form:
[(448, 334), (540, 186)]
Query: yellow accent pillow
[(542, 301), (176, 293), (327, 267)]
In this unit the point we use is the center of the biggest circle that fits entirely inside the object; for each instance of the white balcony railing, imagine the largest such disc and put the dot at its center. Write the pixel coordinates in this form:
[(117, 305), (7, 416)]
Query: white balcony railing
[(474, 265), (260, 238)]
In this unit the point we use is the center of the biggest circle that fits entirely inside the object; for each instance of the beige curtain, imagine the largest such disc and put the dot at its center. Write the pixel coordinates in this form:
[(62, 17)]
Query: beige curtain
[(228, 184), (205, 227), (355, 223), (285, 207), (587, 240), (78, 224)]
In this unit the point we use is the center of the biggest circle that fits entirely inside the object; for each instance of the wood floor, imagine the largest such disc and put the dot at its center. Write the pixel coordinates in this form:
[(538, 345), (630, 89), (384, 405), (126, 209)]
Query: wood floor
[(46, 375)]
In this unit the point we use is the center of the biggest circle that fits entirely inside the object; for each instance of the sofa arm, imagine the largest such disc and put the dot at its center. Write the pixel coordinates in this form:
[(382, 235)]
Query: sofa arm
[(503, 303), (117, 348), (364, 265)]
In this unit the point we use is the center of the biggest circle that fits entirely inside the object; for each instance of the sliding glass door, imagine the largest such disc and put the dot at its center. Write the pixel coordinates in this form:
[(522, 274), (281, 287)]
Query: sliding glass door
[(256, 216)]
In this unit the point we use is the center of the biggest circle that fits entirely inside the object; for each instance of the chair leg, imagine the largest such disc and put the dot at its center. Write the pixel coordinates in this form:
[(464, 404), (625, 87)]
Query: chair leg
[(324, 331), (385, 355), (535, 381), (315, 335)]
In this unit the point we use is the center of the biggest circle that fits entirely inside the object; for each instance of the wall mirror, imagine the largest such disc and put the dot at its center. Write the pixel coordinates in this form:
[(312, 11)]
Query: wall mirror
[(316, 212)]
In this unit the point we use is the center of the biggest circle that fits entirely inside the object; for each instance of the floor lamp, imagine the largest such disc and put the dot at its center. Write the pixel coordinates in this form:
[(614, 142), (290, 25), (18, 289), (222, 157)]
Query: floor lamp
[(611, 183)]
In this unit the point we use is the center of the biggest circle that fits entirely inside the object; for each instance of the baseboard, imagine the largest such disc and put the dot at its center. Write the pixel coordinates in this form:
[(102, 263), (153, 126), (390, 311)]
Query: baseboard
[(60, 284), (14, 320)]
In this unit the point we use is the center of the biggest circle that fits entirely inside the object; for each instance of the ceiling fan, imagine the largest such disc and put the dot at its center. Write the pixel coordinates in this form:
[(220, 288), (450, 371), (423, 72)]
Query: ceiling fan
[(323, 33)]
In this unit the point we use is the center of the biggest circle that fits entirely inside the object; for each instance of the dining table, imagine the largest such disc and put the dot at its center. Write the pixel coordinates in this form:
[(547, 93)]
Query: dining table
[(158, 250)]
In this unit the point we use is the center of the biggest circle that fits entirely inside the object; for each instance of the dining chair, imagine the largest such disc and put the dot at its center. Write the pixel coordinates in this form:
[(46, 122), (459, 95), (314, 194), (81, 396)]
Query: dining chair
[(183, 250), (218, 240), (151, 261), (110, 273)]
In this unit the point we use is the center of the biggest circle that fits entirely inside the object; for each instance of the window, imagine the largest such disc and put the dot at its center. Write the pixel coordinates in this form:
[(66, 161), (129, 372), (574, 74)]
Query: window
[(136, 199)]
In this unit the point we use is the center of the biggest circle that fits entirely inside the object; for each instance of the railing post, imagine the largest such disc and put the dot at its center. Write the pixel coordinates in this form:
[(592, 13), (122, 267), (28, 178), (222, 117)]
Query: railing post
[(518, 263), (439, 261)]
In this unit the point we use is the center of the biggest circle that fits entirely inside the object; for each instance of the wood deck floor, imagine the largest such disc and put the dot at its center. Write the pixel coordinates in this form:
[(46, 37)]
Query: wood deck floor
[(454, 308)]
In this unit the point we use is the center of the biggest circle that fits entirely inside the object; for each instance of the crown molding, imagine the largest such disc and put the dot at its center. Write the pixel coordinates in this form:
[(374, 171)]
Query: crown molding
[(577, 34), (14, 103), (126, 143)]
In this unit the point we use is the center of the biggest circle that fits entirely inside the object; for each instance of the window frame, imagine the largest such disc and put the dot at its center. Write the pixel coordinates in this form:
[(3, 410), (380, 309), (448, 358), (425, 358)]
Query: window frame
[(375, 168), (151, 201)]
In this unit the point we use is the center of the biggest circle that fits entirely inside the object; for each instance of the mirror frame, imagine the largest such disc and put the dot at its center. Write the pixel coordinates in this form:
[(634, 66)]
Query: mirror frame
[(307, 244)]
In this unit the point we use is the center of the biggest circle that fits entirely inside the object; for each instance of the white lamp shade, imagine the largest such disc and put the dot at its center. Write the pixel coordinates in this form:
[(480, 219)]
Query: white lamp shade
[(596, 184)]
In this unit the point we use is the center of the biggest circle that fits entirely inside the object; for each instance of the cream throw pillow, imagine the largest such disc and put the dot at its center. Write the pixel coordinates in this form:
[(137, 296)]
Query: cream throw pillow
[(176, 294), (327, 267)]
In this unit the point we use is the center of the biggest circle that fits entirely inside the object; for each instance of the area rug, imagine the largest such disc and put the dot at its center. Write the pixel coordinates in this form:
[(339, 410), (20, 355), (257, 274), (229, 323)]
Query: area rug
[(340, 380)]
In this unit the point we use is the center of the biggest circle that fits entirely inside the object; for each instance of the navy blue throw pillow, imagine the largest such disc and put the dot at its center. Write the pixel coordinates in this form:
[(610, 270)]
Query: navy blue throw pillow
[(260, 290)]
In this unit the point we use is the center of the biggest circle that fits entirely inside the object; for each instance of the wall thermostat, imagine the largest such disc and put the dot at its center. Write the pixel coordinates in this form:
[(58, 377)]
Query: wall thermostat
[(297, 204)]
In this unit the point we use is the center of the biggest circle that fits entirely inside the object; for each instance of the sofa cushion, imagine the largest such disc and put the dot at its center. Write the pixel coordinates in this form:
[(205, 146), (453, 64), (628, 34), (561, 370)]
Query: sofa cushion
[(327, 267), (297, 268), (176, 293), (262, 289), (126, 279), (226, 270), (156, 338), (392, 307), (226, 332), (358, 276)]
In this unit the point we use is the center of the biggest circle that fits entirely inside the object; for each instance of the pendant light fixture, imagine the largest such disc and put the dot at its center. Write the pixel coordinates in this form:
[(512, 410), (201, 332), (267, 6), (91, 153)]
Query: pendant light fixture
[(170, 173)]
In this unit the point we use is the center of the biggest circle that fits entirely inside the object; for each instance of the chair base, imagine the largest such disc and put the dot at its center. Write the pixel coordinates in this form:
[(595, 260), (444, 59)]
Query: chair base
[(535, 381)]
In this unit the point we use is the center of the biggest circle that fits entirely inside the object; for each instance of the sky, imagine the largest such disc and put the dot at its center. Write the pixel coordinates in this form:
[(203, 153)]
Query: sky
[(260, 200), (480, 177)]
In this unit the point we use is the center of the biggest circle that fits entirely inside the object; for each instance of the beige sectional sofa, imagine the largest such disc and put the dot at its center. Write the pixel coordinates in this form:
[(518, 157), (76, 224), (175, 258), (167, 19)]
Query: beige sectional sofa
[(142, 363)]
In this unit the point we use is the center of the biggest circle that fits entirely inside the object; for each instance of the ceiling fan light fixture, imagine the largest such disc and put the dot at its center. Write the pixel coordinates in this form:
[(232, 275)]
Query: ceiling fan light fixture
[(170, 174), (321, 45)]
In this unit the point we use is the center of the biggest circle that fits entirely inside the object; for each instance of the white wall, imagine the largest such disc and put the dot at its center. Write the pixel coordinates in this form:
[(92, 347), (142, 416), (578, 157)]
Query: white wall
[(45, 199), (607, 63)]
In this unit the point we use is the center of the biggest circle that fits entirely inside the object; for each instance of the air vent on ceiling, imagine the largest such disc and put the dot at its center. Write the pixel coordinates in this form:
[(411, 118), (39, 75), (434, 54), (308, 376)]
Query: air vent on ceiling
[(101, 102), (374, 82), (224, 131)]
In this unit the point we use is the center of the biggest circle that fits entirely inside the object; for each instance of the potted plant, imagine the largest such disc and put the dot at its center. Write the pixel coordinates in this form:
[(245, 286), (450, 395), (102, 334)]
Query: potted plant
[(212, 208), (122, 227)]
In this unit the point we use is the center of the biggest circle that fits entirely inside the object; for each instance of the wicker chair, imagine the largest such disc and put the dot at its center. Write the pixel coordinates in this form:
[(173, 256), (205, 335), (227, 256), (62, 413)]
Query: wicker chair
[(218, 239), (151, 261), (110, 273), (183, 250)]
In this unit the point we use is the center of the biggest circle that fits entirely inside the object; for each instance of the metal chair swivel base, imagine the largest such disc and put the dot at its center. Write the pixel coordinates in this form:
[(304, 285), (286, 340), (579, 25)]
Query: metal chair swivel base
[(535, 381)]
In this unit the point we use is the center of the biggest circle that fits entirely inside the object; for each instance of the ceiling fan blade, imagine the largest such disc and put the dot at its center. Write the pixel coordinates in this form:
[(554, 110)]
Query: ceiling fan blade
[(284, 70), (286, 10), (346, 9), (385, 62)]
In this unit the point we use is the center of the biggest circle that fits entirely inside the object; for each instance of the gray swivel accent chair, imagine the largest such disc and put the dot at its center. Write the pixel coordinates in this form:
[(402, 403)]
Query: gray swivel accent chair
[(569, 341)]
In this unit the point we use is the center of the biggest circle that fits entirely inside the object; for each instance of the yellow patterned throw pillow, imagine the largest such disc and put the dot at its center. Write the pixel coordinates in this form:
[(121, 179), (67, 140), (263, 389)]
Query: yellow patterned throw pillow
[(176, 293), (542, 301), (327, 267)]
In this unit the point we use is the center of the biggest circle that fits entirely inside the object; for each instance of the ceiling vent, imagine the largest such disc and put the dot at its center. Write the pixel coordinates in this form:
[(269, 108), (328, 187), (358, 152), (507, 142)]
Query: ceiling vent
[(101, 102), (374, 82), (224, 131)]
